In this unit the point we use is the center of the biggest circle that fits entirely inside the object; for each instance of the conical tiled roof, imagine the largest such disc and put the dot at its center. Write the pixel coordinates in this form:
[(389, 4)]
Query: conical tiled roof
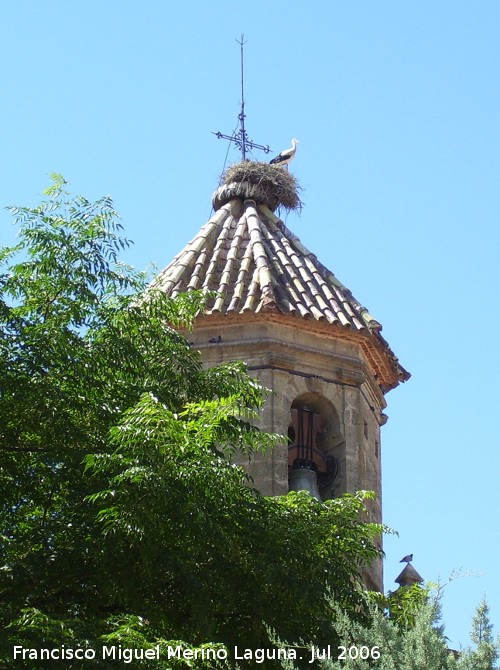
[(253, 263), (408, 576)]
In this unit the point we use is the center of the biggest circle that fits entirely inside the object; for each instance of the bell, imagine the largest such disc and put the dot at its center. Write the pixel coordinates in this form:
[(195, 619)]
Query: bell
[(304, 479)]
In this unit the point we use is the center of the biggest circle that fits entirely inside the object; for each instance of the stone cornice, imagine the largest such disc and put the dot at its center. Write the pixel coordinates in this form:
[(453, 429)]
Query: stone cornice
[(382, 368)]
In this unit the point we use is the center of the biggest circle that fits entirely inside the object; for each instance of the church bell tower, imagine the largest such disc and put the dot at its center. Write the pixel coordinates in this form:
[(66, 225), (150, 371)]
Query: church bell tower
[(300, 331)]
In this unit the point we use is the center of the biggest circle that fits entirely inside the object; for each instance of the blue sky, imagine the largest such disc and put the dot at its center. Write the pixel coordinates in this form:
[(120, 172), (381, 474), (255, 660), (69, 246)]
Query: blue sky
[(397, 108)]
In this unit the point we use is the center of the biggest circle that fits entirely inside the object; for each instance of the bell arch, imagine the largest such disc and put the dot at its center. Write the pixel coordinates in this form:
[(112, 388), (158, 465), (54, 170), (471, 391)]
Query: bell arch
[(316, 449)]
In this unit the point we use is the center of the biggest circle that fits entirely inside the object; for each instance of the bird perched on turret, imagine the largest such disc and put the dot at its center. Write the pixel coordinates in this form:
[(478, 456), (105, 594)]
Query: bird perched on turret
[(407, 559), (285, 156)]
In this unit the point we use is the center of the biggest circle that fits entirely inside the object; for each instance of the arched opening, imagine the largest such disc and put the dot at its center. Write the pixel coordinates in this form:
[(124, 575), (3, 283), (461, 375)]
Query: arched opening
[(315, 446)]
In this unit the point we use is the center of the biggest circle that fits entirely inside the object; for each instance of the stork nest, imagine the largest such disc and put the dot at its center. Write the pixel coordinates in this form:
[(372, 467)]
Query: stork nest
[(267, 184)]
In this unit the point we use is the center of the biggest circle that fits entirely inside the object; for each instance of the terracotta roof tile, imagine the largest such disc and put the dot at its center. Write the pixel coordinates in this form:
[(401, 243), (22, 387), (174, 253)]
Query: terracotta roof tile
[(253, 263), (247, 256)]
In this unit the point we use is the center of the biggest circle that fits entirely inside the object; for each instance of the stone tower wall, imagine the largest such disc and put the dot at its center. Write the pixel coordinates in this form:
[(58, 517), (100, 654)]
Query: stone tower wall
[(298, 360)]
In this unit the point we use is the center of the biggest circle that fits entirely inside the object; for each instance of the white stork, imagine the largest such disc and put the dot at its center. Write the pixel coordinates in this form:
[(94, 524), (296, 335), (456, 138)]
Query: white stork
[(285, 156)]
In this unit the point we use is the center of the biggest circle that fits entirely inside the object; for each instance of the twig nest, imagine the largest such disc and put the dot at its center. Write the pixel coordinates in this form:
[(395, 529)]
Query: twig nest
[(266, 184)]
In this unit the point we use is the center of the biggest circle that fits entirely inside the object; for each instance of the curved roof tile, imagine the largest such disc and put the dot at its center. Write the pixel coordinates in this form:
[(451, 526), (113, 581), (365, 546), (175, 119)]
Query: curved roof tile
[(252, 262), (246, 255)]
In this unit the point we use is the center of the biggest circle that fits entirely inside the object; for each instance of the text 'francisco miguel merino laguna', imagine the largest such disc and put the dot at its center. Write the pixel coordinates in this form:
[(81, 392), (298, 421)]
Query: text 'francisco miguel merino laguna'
[(128, 655)]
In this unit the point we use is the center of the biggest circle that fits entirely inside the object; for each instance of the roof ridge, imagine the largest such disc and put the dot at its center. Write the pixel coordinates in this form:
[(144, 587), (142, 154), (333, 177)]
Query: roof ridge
[(249, 261), (370, 321)]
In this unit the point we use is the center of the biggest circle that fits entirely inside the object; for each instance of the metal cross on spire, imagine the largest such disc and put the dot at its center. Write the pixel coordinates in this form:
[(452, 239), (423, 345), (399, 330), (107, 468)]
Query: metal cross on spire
[(241, 138)]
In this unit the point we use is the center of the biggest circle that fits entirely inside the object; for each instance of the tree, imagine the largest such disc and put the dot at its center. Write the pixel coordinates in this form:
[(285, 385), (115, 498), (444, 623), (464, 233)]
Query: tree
[(487, 649), (414, 643), (387, 645), (403, 604), (124, 521)]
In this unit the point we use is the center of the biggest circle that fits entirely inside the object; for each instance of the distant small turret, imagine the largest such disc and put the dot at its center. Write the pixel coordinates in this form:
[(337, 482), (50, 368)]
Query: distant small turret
[(408, 576)]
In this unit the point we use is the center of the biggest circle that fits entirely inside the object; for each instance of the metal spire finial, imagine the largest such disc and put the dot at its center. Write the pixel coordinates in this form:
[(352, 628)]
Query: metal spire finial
[(241, 138)]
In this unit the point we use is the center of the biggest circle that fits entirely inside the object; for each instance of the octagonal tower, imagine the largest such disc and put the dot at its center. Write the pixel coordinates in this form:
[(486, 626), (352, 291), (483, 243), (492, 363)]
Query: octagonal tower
[(300, 331)]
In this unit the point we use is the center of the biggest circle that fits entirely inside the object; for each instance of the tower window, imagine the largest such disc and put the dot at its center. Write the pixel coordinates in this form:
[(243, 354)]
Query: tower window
[(310, 466), (304, 456)]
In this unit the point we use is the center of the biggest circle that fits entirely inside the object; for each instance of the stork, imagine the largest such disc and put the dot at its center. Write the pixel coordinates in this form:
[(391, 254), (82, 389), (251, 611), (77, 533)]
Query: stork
[(285, 156)]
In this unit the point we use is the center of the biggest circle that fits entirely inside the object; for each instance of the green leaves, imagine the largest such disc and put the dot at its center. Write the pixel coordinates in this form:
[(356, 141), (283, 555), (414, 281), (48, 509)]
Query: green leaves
[(404, 603), (124, 517), (487, 648), (56, 188)]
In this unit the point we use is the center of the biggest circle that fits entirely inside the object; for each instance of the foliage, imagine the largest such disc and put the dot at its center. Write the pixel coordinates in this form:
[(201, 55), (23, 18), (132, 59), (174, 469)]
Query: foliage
[(123, 518), (386, 645), (487, 649), (404, 603), (420, 646)]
